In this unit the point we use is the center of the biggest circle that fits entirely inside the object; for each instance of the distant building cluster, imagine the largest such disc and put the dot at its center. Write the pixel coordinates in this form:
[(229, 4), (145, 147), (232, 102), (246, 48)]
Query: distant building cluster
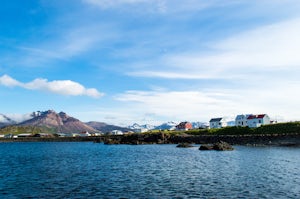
[(248, 120)]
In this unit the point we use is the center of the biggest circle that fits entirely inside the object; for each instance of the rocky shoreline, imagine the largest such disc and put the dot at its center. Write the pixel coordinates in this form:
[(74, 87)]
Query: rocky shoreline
[(253, 140), (292, 140)]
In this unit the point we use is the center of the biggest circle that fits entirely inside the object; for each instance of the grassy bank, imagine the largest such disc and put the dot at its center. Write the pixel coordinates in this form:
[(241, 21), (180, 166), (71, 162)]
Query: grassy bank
[(280, 128)]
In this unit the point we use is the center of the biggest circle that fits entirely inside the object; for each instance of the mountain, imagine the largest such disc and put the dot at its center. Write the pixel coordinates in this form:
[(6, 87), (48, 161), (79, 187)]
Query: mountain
[(103, 127), (138, 126), (167, 126), (5, 121), (58, 122), (201, 125)]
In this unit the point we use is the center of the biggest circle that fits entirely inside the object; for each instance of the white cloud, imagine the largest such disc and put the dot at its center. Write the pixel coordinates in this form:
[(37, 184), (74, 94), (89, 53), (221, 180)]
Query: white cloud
[(178, 105), (8, 81), (274, 100), (262, 64), (266, 49), (62, 87)]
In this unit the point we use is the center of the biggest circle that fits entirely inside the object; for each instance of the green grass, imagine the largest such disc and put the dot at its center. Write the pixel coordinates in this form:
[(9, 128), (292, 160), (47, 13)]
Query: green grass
[(280, 128), (15, 130)]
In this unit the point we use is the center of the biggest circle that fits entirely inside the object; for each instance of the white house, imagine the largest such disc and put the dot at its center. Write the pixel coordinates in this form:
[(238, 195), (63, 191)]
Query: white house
[(241, 120), (84, 134), (116, 132), (258, 120), (215, 123), (141, 130)]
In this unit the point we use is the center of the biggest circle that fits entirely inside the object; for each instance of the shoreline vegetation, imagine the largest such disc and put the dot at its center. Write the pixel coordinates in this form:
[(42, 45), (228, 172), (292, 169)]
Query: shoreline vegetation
[(282, 134)]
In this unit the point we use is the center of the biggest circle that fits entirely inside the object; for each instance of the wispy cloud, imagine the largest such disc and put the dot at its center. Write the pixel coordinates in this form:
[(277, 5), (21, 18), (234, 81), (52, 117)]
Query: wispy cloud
[(269, 48), (157, 6), (202, 105), (15, 117), (179, 105), (67, 44), (62, 87)]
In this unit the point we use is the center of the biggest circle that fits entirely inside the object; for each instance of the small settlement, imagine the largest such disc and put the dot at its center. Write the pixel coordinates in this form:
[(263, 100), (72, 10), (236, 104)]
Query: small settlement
[(248, 120)]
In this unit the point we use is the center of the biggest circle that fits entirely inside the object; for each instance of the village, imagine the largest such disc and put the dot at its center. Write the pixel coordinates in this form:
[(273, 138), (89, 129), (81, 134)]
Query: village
[(243, 120)]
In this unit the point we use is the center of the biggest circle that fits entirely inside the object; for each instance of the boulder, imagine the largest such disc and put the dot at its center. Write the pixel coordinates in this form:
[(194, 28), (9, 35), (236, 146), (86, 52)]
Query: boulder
[(222, 146), (184, 145), (219, 146), (111, 141), (205, 147)]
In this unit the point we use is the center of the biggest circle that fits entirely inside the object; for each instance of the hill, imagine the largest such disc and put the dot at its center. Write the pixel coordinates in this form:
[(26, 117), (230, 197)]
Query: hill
[(57, 122), (103, 127)]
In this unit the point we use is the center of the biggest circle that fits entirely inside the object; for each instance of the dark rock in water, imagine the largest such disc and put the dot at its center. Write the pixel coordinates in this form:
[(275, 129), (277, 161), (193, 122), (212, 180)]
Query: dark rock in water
[(222, 146), (206, 147), (184, 145), (219, 146), (111, 141)]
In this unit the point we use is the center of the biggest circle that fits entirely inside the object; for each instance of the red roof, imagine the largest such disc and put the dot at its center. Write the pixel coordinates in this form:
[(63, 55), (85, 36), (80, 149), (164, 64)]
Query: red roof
[(250, 117)]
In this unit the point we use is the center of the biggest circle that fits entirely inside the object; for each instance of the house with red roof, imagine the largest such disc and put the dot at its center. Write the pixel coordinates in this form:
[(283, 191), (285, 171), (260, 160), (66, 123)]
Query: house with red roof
[(184, 126), (254, 121)]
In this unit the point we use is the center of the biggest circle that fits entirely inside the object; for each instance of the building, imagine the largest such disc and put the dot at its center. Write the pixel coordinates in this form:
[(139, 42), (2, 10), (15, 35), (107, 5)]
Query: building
[(116, 132), (216, 123), (241, 120), (258, 120), (184, 126), (84, 134), (141, 130)]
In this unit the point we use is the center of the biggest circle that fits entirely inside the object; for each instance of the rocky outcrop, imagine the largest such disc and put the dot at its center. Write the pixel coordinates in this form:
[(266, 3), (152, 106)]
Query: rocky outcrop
[(204, 140), (222, 146), (206, 147), (219, 146), (184, 145)]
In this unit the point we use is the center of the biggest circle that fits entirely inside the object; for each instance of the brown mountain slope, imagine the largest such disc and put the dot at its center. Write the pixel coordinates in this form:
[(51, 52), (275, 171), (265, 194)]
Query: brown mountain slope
[(104, 128), (60, 122)]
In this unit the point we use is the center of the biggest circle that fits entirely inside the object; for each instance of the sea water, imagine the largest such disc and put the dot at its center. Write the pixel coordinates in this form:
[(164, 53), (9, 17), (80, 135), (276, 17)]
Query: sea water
[(91, 170)]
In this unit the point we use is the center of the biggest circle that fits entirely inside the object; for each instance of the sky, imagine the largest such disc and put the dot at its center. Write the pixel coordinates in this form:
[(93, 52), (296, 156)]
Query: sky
[(150, 61)]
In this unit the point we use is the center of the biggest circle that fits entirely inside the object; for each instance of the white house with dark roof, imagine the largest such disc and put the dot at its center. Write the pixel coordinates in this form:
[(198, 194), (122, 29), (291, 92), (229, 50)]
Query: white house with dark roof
[(241, 120), (258, 120), (216, 123)]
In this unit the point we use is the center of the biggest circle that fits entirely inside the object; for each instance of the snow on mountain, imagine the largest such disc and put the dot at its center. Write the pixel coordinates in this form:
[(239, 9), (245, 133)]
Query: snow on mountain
[(138, 126), (167, 126), (201, 125)]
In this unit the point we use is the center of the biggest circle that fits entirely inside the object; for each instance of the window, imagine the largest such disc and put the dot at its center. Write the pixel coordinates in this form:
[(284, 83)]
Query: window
[(259, 121)]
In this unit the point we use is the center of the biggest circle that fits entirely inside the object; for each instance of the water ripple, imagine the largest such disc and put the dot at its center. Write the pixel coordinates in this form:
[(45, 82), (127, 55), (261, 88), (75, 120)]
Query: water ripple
[(88, 170)]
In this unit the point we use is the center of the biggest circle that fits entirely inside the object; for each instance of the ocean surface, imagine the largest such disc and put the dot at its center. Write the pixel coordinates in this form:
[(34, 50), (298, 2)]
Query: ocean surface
[(91, 170)]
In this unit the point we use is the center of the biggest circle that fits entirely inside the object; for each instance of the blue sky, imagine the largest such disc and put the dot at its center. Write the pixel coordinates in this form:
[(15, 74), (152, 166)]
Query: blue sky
[(150, 61)]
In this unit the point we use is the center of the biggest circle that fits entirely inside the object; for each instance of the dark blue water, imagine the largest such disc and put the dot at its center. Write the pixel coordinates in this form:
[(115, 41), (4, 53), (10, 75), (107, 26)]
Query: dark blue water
[(89, 170)]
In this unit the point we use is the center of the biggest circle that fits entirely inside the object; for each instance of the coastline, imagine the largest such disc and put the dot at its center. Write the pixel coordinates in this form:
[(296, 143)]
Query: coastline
[(291, 140)]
